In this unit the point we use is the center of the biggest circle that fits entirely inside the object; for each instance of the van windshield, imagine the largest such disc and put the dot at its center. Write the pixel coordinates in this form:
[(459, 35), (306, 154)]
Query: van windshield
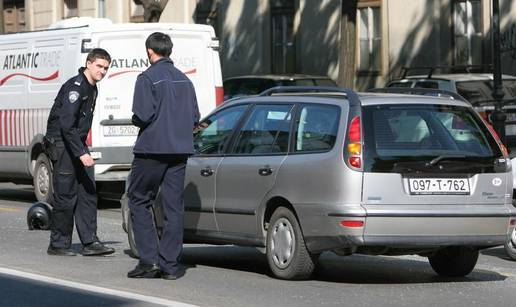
[(427, 138)]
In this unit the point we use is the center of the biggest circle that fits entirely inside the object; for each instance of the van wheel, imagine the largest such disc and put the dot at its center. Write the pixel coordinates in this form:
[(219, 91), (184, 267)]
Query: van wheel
[(42, 180), (454, 261), (286, 251), (510, 245)]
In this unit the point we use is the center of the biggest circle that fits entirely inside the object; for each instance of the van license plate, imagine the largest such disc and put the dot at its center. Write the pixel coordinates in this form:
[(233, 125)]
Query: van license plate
[(456, 186), (120, 130)]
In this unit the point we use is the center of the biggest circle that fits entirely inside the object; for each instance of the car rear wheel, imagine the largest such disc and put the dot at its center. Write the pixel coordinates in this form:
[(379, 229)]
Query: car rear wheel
[(454, 261), (510, 245), (42, 180), (287, 254)]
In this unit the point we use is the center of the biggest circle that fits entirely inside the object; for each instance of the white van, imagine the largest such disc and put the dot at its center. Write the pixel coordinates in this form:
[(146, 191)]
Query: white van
[(36, 64)]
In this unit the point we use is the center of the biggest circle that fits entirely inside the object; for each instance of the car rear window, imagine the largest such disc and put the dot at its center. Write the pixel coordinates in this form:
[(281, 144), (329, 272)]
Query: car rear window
[(405, 138), (478, 92)]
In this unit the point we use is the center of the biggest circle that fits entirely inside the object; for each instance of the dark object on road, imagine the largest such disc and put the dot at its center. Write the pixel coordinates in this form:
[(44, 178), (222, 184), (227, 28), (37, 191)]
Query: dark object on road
[(38, 216)]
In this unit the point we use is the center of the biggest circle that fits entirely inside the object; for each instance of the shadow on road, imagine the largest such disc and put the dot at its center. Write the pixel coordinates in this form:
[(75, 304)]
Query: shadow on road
[(25, 194), (356, 269), (18, 194), (496, 252), (23, 292)]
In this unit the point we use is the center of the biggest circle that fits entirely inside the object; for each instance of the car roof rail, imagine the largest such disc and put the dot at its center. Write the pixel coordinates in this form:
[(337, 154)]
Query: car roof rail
[(418, 91), (453, 68), (351, 95)]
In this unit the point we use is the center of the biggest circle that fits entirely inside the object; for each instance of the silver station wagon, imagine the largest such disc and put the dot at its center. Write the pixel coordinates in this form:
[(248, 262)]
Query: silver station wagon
[(297, 171)]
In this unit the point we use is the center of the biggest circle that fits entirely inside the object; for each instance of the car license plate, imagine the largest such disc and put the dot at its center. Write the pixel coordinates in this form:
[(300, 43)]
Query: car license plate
[(456, 186), (120, 130)]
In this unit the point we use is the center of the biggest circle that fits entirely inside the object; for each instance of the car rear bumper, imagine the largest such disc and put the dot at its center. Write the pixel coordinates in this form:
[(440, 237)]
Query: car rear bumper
[(407, 229), (320, 244)]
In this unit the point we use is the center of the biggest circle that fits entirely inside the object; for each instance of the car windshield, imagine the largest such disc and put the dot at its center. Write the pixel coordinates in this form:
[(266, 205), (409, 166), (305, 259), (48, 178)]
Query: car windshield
[(477, 92), (428, 138)]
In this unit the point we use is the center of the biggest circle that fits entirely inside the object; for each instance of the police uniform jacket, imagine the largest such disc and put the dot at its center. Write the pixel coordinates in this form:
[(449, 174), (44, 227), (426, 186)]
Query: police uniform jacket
[(72, 113), (165, 109)]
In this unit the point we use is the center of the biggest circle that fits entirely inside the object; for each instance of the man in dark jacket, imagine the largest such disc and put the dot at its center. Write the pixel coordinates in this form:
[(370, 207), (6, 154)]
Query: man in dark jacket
[(73, 176), (165, 109)]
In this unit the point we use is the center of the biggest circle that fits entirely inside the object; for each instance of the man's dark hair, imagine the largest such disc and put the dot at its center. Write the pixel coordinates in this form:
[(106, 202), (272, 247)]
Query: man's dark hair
[(98, 53), (160, 43)]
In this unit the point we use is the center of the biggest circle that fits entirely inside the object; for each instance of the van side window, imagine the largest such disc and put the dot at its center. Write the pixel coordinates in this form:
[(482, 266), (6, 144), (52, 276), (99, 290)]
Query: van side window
[(213, 133), (265, 131), (317, 128)]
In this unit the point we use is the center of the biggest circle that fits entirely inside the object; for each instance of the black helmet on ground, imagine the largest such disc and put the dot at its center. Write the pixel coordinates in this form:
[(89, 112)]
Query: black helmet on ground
[(38, 216)]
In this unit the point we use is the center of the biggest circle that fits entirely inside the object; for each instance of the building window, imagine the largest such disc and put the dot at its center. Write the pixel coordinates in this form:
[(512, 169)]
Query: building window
[(70, 8), (370, 39), (102, 9), (207, 12), (283, 47), (468, 32)]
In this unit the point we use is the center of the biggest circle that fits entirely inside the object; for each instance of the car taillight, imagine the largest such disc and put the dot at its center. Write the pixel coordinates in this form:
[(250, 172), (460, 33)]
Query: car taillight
[(505, 152), (219, 95), (88, 139), (354, 148)]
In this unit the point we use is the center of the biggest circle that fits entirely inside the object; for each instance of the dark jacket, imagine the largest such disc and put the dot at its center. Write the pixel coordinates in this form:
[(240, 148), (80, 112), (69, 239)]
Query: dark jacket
[(72, 113), (165, 109)]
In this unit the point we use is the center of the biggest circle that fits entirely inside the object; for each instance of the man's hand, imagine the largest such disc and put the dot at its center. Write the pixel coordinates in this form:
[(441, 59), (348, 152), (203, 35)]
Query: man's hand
[(87, 160)]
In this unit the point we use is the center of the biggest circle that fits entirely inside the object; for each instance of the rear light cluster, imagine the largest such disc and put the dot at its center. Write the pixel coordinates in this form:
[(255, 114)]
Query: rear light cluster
[(505, 152), (88, 139), (354, 148), (219, 95)]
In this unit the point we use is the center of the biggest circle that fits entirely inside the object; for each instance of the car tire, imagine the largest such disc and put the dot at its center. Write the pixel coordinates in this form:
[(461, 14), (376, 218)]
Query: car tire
[(286, 251), (510, 245), (130, 237), (454, 261), (157, 213), (42, 180)]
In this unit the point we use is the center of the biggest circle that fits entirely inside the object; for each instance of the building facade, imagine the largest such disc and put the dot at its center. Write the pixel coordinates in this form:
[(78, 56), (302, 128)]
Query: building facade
[(304, 36), (30, 15)]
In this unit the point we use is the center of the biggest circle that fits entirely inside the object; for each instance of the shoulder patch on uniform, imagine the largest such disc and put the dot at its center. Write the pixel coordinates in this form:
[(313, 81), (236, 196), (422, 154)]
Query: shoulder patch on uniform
[(73, 96)]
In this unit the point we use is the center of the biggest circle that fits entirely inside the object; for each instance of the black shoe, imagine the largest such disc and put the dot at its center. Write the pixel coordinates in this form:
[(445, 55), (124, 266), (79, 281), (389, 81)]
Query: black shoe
[(57, 251), (96, 249), (180, 273), (145, 271)]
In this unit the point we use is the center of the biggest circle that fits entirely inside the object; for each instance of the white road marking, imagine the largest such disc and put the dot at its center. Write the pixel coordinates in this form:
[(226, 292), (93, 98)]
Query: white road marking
[(96, 289)]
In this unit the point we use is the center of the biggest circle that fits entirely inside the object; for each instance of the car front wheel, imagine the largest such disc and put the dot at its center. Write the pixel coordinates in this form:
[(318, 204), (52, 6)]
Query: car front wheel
[(287, 254), (454, 261)]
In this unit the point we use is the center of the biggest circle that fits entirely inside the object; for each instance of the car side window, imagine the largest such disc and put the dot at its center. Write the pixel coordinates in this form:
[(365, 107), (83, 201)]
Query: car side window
[(265, 131), (213, 133), (427, 84), (317, 128)]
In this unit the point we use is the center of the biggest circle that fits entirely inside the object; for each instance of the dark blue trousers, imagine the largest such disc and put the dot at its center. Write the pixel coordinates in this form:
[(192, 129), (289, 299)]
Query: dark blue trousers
[(148, 174), (75, 197)]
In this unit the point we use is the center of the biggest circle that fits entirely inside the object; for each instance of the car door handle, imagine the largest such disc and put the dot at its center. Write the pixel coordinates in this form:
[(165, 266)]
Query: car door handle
[(206, 172), (265, 171)]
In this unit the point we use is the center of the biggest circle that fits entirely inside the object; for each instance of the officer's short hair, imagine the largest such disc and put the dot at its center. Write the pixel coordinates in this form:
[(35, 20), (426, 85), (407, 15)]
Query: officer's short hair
[(160, 43), (98, 53)]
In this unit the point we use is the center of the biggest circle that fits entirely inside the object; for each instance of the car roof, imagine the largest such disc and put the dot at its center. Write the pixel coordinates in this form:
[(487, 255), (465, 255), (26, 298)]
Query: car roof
[(339, 99), (456, 77), (278, 77)]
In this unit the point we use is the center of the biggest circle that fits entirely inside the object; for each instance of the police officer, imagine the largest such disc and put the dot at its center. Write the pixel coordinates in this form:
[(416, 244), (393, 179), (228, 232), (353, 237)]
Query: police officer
[(165, 108), (73, 176)]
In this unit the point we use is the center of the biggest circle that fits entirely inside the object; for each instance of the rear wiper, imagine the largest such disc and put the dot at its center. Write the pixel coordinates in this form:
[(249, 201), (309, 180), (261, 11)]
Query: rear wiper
[(435, 160)]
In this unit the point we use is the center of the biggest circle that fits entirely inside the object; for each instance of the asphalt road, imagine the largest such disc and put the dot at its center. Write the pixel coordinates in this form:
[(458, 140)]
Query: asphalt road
[(225, 275)]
